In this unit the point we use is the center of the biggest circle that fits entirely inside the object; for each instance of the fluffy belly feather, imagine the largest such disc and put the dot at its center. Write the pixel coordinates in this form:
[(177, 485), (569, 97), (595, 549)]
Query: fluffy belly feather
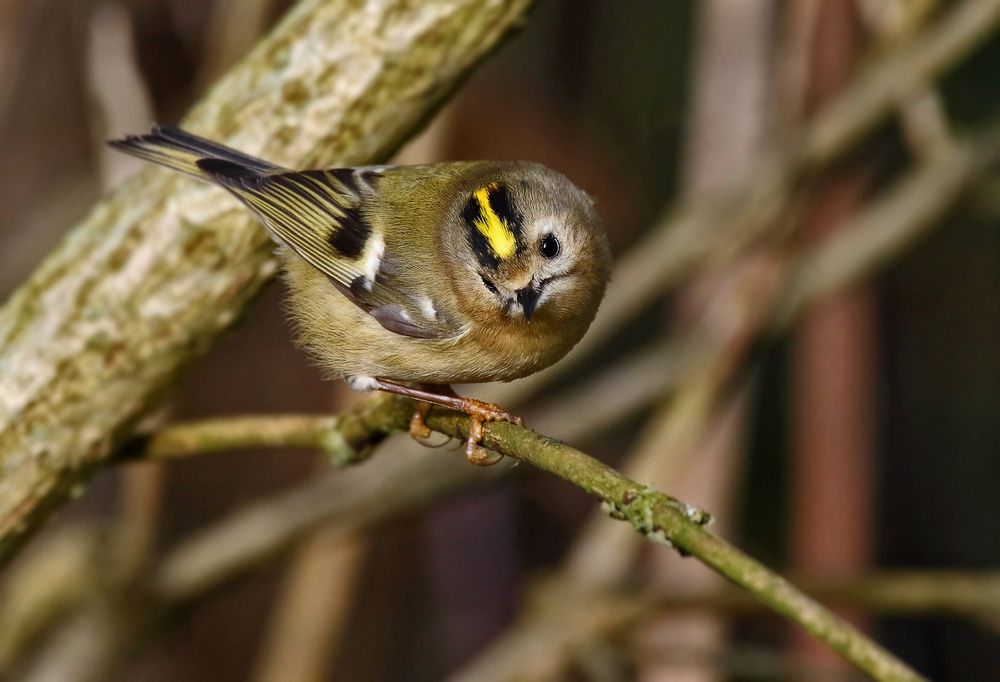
[(344, 340)]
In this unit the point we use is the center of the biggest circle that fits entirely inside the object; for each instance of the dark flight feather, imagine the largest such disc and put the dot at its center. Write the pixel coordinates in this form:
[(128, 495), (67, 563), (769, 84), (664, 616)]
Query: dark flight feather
[(318, 214)]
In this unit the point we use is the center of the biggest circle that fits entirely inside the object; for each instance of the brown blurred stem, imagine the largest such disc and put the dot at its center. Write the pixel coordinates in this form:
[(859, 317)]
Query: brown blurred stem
[(694, 444), (697, 231), (602, 614), (832, 380), (971, 594)]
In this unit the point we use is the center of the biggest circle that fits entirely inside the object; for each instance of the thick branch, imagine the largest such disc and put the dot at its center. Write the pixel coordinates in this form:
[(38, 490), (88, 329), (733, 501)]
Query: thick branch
[(163, 265)]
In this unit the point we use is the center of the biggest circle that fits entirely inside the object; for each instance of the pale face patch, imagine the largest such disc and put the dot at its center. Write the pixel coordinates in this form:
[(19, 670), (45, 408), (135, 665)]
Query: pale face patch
[(549, 224), (552, 273)]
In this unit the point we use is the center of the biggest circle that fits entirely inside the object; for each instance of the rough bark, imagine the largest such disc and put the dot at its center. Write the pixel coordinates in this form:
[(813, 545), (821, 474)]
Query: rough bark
[(163, 265)]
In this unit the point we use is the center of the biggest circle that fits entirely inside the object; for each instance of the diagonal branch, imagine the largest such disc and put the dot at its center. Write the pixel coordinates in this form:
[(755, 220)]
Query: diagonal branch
[(194, 567), (162, 266)]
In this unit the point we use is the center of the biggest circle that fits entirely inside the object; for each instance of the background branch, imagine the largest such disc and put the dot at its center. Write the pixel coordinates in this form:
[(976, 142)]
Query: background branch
[(714, 228)]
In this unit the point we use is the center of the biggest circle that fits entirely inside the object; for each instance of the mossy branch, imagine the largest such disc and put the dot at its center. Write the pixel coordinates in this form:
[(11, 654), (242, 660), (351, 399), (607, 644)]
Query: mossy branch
[(163, 265), (656, 516)]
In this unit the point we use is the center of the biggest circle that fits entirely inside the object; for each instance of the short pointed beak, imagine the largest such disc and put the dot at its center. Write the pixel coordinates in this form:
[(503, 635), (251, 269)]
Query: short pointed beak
[(528, 298)]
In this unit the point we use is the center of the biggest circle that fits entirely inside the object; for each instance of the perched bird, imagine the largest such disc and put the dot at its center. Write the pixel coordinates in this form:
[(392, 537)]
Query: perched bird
[(407, 279)]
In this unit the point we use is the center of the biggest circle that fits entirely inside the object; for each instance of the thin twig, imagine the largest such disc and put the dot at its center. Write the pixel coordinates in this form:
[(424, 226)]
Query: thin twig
[(924, 120), (974, 595), (656, 516), (885, 87), (964, 593), (343, 438)]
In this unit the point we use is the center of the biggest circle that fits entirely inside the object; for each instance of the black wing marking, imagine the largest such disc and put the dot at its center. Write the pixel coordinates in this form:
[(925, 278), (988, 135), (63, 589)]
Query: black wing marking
[(320, 215)]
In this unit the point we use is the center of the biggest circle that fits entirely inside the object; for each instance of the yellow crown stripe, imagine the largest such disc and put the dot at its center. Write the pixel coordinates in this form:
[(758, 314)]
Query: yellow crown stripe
[(496, 230)]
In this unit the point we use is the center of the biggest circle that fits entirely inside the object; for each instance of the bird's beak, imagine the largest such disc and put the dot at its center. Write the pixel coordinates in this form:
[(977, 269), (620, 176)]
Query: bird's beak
[(528, 298)]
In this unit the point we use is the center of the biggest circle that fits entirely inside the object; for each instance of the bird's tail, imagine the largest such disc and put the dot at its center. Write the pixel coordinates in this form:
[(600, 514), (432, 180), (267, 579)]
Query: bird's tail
[(182, 151)]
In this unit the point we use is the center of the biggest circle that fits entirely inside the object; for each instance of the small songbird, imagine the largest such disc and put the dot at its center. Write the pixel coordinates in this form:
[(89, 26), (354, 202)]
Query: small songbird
[(408, 279)]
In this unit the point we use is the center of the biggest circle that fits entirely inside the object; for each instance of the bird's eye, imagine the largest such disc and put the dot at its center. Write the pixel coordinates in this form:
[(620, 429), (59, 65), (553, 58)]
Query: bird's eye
[(489, 285), (549, 246)]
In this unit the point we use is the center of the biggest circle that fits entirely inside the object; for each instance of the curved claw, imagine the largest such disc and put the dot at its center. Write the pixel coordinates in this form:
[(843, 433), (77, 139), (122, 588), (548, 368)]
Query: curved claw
[(478, 413), (482, 457), (419, 431), (475, 454)]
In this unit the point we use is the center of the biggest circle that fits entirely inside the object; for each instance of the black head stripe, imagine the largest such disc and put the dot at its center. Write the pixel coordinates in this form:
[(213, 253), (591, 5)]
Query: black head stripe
[(472, 212), (503, 205), (494, 224)]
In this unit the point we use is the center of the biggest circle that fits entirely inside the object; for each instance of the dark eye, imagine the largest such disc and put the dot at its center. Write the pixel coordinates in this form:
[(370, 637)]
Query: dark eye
[(549, 246), (489, 285)]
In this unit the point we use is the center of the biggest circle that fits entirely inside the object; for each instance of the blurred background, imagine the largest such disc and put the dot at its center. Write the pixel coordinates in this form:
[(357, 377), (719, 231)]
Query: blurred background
[(856, 435)]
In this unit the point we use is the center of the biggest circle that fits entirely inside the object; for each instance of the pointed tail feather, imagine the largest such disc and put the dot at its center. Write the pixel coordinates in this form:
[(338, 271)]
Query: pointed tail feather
[(182, 151)]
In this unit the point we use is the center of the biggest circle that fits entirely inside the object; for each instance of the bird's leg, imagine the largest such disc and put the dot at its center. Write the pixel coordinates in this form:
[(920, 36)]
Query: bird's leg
[(477, 411)]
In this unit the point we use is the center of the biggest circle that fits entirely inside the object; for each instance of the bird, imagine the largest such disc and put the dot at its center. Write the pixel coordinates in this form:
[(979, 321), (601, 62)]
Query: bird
[(408, 279)]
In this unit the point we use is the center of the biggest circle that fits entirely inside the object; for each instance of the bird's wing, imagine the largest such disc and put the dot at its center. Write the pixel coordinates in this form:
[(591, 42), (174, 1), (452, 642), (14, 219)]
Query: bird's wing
[(320, 215)]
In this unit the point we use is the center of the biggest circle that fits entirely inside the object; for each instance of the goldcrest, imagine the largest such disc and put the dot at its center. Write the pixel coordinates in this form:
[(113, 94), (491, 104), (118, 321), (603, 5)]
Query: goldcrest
[(410, 278)]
